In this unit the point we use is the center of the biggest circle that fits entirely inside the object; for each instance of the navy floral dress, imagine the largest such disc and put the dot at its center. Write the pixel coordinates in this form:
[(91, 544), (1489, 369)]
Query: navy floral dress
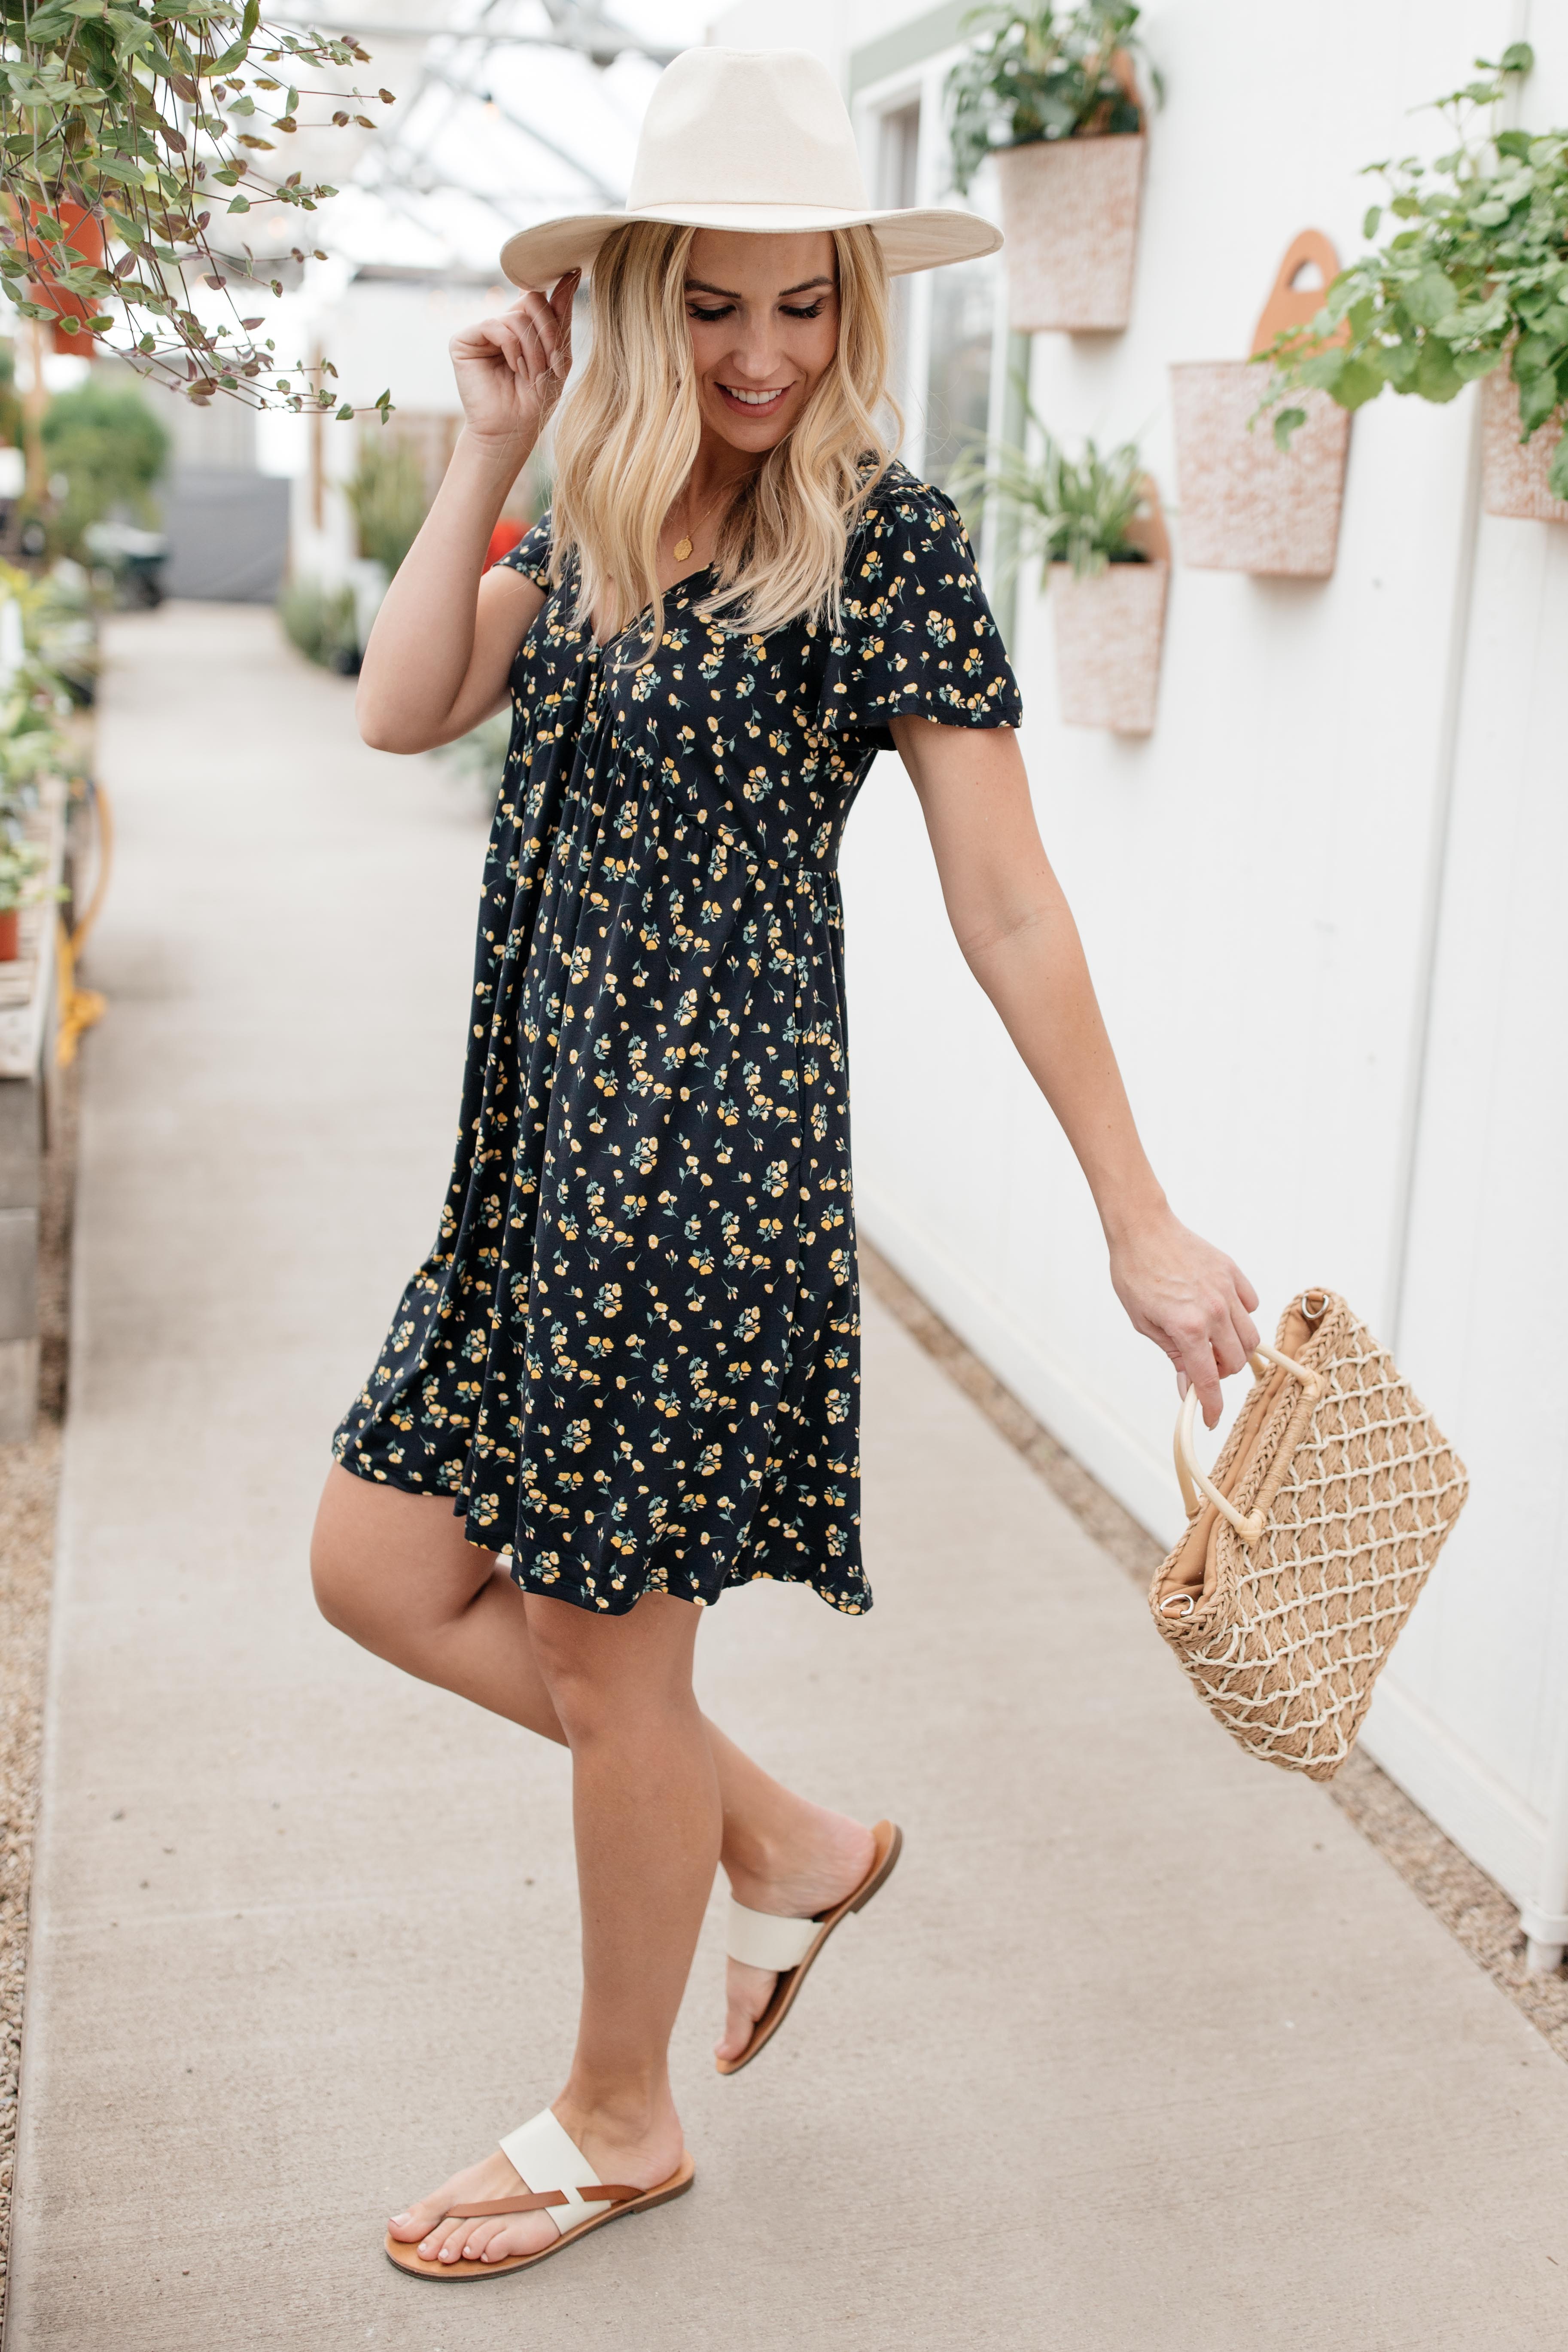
[(633, 1356)]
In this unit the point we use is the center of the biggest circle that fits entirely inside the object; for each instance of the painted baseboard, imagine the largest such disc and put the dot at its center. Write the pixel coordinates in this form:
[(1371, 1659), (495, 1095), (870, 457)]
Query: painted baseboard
[(1503, 1835), (1142, 1483), (1452, 1786)]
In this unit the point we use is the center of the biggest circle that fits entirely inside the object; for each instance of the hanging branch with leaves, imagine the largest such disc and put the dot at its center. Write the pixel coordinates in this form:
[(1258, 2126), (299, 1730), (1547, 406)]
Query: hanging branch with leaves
[(123, 130)]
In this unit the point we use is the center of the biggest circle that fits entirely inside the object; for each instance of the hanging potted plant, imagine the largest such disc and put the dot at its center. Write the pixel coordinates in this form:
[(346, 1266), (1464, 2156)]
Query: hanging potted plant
[(1252, 501), (1474, 284), (1052, 95), (1094, 524)]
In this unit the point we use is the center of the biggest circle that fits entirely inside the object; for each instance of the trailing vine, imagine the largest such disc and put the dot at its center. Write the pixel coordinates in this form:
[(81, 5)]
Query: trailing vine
[(125, 131)]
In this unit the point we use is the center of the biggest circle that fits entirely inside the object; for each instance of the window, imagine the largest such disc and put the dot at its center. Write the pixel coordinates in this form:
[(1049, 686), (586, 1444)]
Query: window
[(959, 365), (949, 340)]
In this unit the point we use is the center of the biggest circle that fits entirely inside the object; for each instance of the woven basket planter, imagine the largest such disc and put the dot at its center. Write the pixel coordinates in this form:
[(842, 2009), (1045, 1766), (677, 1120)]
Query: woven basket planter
[(1069, 213), (1246, 505), (1109, 630), (1513, 472)]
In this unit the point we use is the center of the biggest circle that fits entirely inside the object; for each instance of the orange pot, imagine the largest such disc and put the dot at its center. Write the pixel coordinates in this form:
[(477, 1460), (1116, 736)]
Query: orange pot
[(83, 242), (10, 935)]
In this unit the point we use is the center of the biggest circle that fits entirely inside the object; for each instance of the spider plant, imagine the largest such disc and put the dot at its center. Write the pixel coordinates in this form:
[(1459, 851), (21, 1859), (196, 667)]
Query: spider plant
[(1059, 510)]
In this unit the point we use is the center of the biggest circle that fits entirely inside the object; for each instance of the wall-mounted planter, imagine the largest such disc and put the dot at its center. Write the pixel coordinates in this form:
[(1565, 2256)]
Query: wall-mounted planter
[(1513, 472), (1245, 504), (1109, 630), (1069, 214)]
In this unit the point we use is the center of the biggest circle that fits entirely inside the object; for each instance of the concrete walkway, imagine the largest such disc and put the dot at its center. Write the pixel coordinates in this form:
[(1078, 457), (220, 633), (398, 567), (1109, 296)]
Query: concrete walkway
[(1143, 2050)]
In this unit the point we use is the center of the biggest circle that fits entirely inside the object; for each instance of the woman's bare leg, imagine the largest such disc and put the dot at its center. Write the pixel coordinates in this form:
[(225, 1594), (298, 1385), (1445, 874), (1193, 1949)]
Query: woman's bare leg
[(645, 1803), (395, 1572)]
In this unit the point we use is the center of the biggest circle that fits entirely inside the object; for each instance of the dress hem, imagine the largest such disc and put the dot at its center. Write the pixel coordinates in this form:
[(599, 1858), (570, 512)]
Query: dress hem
[(559, 1589)]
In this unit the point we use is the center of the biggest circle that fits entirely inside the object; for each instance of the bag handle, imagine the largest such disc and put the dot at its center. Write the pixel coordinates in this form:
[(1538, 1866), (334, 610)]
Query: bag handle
[(1193, 1480)]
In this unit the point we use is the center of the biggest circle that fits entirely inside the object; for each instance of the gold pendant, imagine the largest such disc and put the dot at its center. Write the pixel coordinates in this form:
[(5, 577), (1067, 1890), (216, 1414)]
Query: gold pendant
[(682, 550)]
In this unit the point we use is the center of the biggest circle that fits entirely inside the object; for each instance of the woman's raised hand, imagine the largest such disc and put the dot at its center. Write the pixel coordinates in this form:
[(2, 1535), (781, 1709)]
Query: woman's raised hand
[(510, 370), (1190, 1300)]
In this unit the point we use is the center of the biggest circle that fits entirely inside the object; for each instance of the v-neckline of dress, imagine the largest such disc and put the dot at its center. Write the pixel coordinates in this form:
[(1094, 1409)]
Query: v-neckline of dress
[(603, 645)]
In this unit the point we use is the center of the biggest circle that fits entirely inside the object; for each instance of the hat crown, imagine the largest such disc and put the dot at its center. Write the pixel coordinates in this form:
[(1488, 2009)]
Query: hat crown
[(746, 127)]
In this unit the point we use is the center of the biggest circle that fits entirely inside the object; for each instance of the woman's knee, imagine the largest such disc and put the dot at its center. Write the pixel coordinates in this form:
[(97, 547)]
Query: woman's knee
[(385, 1564), (608, 1677), (337, 1575)]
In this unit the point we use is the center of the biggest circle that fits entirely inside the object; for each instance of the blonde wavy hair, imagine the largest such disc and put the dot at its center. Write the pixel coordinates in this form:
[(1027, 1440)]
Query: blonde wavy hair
[(628, 434)]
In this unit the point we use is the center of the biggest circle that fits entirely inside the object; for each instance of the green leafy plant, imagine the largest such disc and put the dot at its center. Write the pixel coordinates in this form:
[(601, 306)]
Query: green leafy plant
[(22, 862), (1061, 509), (1046, 73), (320, 621), (12, 426), (110, 448), (386, 491), (479, 756), (59, 634), (1479, 274), (122, 131)]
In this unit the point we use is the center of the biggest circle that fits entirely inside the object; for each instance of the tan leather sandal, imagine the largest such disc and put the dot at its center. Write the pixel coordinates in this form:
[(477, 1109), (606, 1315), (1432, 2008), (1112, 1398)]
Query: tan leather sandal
[(569, 2190), (764, 1940)]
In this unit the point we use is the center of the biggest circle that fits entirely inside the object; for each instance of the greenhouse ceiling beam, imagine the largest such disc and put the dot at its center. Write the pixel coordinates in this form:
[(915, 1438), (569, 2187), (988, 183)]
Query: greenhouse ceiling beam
[(530, 131), (598, 41)]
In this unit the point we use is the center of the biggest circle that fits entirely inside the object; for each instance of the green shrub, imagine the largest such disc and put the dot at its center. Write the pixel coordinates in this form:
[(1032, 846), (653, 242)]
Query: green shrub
[(320, 621), (110, 448), (481, 755), (386, 493)]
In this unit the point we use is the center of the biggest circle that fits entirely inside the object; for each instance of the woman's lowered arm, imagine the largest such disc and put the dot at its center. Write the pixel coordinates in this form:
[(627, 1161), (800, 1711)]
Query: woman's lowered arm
[(1018, 937)]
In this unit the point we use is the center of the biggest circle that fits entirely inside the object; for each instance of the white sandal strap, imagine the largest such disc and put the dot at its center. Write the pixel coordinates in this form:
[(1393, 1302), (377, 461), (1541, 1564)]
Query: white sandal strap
[(763, 1940), (546, 2156)]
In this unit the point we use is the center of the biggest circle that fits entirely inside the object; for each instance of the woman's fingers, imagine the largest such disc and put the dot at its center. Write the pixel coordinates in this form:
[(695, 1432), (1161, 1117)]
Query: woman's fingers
[(561, 302), (1197, 1361)]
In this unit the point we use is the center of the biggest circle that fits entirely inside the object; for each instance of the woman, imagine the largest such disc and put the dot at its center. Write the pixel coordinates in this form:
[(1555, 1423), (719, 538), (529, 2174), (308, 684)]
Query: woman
[(630, 1364)]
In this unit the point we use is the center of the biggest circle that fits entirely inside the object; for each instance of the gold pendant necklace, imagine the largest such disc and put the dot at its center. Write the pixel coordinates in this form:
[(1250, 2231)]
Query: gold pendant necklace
[(682, 548)]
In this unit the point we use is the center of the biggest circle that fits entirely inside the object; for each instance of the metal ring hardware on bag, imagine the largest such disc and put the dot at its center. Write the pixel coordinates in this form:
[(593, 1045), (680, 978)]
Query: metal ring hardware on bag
[(1195, 1481)]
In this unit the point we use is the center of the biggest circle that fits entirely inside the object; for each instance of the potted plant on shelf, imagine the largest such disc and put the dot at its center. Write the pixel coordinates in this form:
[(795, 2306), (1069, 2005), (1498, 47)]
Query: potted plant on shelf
[(1477, 276), (1094, 524), (1251, 502), (1051, 94), (22, 864)]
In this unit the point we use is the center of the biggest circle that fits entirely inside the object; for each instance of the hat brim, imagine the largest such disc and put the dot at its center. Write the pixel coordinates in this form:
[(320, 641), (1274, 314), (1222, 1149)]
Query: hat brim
[(911, 240)]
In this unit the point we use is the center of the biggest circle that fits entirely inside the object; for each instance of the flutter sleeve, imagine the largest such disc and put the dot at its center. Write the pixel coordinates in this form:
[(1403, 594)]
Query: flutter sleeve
[(916, 637), (530, 556)]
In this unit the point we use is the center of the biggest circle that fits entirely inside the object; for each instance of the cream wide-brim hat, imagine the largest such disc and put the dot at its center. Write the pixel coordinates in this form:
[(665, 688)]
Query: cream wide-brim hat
[(754, 139)]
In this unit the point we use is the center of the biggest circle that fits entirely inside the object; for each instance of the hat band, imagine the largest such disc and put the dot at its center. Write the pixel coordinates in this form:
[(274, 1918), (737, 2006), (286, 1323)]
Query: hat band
[(652, 209)]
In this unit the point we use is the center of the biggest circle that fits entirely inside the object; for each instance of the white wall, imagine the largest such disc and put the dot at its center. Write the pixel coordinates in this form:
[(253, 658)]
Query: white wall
[(1321, 903)]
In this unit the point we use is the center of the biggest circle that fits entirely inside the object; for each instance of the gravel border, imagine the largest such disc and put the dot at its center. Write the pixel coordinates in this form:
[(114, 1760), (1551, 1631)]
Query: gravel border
[(29, 1484), (1473, 1907)]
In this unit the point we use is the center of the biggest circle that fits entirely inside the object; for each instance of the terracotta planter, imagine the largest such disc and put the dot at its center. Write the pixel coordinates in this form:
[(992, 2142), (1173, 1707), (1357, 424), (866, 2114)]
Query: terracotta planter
[(1513, 472), (83, 242), (1247, 505), (1109, 630), (10, 935), (1069, 213)]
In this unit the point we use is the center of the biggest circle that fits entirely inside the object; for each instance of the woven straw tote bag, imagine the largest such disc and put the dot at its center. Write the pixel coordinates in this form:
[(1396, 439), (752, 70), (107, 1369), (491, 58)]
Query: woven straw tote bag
[(1306, 1549)]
